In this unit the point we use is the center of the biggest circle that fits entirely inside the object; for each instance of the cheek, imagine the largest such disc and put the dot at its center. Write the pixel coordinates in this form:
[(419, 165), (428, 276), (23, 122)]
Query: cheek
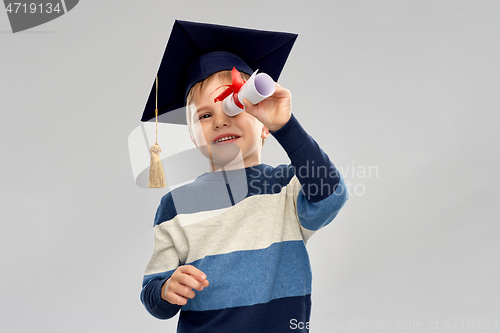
[(198, 131), (193, 121), (252, 127), (200, 134)]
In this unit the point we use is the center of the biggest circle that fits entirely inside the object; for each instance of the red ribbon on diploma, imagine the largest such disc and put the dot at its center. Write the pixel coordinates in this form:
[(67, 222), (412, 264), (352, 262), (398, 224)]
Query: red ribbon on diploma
[(233, 88)]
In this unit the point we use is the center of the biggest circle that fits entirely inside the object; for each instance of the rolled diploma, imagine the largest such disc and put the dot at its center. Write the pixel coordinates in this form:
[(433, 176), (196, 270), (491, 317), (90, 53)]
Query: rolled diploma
[(257, 88)]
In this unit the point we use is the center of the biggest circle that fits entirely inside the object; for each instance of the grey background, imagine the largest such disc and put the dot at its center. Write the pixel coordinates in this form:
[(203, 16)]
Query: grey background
[(410, 87)]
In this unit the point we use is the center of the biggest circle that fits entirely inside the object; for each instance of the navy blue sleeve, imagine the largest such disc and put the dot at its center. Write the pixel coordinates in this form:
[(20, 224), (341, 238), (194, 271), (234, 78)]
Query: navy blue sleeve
[(156, 306), (316, 173)]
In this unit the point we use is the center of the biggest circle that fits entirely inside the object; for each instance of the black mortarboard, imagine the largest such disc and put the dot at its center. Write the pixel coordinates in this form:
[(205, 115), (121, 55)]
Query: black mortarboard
[(197, 50)]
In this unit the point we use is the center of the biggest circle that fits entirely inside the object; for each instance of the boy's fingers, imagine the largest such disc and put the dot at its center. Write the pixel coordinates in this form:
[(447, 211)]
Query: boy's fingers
[(190, 282), (194, 278), (195, 272), (248, 106), (182, 289), (176, 299)]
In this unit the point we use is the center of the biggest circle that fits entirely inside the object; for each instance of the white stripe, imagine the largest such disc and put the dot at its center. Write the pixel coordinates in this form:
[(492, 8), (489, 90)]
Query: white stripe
[(189, 219)]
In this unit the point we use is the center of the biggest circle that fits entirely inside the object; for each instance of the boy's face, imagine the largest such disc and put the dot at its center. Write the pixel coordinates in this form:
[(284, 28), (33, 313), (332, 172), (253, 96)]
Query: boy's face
[(211, 123)]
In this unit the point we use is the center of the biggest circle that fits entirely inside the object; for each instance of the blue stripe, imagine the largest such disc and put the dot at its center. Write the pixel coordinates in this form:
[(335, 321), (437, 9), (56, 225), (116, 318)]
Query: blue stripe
[(243, 278), (315, 215)]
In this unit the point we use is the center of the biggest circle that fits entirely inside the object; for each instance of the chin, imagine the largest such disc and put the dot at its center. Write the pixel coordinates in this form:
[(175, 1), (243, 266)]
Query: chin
[(224, 154)]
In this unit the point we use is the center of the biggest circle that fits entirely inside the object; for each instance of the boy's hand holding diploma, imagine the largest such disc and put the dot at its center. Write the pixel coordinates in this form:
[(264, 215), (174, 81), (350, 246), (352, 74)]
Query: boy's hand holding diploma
[(274, 111), (260, 96)]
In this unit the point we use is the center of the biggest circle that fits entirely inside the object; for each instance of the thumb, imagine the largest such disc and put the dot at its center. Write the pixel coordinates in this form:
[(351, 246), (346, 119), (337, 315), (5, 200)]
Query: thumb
[(249, 107)]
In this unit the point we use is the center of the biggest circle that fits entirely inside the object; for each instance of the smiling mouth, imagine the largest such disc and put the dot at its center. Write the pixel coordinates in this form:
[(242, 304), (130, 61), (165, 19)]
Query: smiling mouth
[(231, 139)]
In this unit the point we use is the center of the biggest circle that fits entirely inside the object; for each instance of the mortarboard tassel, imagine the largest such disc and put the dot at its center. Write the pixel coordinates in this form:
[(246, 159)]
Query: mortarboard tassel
[(156, 173)]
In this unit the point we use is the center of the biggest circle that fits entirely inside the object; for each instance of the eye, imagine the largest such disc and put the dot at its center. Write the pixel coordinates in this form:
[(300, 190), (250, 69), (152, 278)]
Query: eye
[(203, 116)]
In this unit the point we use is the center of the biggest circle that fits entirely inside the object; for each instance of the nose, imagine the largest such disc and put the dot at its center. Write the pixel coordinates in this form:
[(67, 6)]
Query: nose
[(221, 119)]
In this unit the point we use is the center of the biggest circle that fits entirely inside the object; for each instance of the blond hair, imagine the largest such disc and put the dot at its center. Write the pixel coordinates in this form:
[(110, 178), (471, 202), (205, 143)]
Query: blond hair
[(224, 76)]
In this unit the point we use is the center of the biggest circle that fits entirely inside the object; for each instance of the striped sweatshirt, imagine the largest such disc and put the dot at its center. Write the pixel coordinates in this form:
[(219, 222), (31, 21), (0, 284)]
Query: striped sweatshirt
[(247, 230)]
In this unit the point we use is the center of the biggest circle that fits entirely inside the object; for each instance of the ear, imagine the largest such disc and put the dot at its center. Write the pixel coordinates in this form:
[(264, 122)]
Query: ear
[(265, 132)]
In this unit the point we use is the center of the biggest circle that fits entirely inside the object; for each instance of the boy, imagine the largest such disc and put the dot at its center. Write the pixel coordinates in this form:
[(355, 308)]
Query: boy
[(247, 237)]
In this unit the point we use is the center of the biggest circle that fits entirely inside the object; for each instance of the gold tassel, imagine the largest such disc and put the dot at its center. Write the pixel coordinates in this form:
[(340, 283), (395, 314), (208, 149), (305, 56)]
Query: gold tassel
[(156, 173)]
